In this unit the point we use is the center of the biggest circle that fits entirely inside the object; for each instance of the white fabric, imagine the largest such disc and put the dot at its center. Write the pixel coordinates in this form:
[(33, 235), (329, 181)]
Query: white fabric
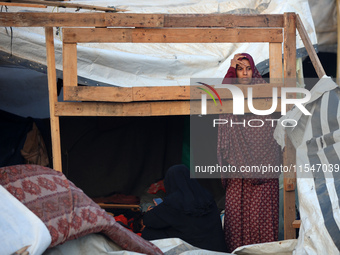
[(325, 21), (20, 227), (323, 85), (317, 142), (156, 64), (285, 247), (99, 244)]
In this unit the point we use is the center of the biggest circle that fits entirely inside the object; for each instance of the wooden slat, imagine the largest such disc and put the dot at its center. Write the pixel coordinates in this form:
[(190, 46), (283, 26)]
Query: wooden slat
[(161, 93), (222, 20), (275, 61), (34, 19), (123, 109), (118, 206), (227, 106), (24, 19), (70, 77), (120, 94), (23, 5), (289, 154), (103, 94), (53, 97), (163, 108), (70, 5), (338, 42), (296, 223), (171, 35), (309, 47)]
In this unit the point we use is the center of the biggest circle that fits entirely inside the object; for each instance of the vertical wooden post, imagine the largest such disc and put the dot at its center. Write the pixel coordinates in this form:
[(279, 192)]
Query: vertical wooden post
[(53, 98), (275, 62), (70, 76), (289, 155), (338, 48)]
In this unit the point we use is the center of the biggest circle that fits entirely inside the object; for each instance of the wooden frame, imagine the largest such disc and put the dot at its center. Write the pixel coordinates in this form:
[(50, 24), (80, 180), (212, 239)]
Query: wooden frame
[(277, 29)]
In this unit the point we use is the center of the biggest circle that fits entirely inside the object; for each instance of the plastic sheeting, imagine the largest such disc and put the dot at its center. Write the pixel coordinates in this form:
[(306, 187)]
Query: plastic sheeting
[(325, 21), (98, 244), (20, 227), (316, 138), (156, 64)]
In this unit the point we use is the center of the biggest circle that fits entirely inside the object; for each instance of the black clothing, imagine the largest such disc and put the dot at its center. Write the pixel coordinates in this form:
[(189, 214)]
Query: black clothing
[(188, 212)]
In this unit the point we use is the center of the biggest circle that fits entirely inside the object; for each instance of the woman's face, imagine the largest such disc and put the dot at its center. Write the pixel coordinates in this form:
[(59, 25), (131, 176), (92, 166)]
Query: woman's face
[(244, 73)]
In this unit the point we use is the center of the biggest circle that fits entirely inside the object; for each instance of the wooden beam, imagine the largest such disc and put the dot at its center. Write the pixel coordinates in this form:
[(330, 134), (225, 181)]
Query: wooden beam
[(275, 62), (296, 224), (103, 94), (70, 5), (70, 77), (171, 35), (122, 109), (309, 47), (36, 19), (289, 154), (223, 20), (159, 93), (119, 206), (53, 97), (338, 42), (23, 5), (162, 108)]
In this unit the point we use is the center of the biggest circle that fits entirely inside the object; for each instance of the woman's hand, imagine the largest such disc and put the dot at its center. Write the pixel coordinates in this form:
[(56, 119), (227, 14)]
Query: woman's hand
[(235, 61), (150, 208)]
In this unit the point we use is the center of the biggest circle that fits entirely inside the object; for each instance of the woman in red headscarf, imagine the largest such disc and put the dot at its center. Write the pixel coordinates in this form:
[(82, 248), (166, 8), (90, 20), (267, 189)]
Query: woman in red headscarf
[(251, 201)]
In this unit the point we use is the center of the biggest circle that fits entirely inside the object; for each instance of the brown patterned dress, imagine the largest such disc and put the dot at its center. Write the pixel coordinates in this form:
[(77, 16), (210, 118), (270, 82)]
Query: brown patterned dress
[(251, 201)]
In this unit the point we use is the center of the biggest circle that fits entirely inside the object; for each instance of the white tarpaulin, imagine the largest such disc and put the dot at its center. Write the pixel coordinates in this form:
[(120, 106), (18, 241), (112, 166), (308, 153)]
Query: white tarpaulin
[(126, 64), (19, 227), (98, 244), (316, 138)]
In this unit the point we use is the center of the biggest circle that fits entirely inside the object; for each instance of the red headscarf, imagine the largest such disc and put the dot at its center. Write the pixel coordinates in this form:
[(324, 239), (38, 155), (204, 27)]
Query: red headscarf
[(231, 76)]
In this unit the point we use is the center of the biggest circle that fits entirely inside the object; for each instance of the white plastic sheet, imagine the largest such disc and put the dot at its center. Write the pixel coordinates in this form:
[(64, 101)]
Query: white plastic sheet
[(156, 64), (317, 142), (20, 227)]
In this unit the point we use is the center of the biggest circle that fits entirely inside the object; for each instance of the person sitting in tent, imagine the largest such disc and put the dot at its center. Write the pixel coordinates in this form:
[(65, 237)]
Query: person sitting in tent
[(251, 201), (188, 212)]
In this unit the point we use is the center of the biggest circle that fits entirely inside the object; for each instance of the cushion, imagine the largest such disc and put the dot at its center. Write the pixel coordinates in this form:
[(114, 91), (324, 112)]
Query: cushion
[(66, 211)]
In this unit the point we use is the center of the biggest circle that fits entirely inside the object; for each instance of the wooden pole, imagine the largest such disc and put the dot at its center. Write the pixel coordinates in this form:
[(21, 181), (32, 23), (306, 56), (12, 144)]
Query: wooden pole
[(53, 98), (309, 47), (289, 154), (338, 50)]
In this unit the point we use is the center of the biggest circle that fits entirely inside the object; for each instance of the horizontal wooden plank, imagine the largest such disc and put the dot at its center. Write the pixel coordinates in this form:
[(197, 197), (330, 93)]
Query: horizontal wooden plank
[(23, 5), (122, 109), (161, 93), (258, 91), (37, 19), (162, 108), (116, 206), (227, 106), (104, 94), (171, 35), (34, 19), (70, 5), (223, 20), (121, 94)]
